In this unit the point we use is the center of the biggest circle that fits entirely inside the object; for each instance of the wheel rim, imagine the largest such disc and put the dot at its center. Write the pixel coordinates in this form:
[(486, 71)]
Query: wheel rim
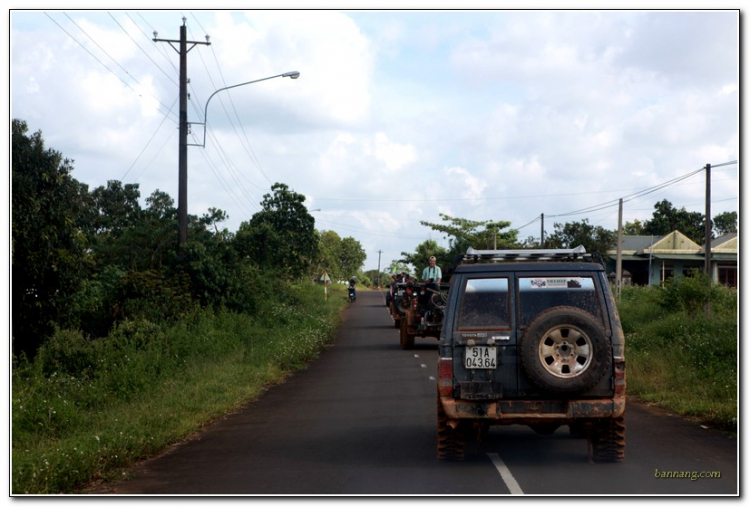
[(565, 351)]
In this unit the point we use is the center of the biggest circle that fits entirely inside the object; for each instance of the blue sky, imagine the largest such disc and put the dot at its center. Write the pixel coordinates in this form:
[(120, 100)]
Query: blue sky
[(397, 116)]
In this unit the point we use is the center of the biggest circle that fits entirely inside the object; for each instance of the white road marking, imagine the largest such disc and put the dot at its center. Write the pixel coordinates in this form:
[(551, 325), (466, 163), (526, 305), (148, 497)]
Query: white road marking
[(508, 478), (432, 378), (423, 365)]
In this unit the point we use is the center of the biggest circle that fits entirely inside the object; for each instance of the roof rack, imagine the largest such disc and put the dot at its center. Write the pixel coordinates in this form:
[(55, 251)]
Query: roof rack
[(526, 255)]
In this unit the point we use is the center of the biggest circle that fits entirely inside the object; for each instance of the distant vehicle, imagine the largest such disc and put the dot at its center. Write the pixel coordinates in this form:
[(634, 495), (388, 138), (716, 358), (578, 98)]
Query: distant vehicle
[(531, 337), (422, 305), (352, 291), (394, 298)]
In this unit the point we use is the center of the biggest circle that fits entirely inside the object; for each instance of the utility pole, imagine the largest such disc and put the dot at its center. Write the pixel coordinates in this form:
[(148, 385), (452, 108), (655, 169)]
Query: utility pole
[(182, 216), (707, 245), (377, 284), (618, 278), (541, 236)]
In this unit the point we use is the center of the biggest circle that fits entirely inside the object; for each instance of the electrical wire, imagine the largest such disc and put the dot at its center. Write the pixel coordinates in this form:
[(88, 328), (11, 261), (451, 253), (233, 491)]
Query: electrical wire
[(147, 145), (97, 59), (142, 50)]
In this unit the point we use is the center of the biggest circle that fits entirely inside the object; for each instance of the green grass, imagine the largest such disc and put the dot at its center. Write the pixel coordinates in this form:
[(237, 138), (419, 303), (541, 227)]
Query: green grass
[(677, 357), (84, 410)]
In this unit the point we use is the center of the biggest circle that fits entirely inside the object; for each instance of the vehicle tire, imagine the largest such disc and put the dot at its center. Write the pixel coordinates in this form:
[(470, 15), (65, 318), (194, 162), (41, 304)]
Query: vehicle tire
[(565, 350), (407, 340), (608, 440), (451, 444)]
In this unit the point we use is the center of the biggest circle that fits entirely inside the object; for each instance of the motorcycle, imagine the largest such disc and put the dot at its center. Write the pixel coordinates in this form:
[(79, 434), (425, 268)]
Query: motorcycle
[(352, 294)]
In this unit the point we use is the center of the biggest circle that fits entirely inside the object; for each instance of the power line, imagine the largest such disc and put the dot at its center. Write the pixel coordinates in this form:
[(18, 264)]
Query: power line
[(139, 47), (97, 59)]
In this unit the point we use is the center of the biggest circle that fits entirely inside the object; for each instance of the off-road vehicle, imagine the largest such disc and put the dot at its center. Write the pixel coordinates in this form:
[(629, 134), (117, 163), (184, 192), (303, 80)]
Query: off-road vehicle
[(422, 305), (531, 337)]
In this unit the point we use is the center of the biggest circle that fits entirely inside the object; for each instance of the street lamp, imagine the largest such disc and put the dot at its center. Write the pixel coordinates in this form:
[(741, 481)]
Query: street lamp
[(182, 181), (293, 74)]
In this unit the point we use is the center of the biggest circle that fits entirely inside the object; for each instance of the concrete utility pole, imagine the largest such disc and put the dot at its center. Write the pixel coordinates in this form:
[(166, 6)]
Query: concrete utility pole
[(377, 284), (182, 217), (618, 279), (541, 235), (707, 245)]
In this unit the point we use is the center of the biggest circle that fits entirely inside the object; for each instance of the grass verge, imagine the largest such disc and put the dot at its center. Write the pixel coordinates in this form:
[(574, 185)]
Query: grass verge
[(85, 409), (678, 357)]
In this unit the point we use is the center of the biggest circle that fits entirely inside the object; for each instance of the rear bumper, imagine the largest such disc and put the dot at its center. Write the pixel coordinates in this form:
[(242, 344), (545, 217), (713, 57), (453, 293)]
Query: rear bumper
[(526, 412)]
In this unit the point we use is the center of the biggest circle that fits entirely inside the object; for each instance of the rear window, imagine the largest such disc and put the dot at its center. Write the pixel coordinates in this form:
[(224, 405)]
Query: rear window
[(539, 293), (484, 304)]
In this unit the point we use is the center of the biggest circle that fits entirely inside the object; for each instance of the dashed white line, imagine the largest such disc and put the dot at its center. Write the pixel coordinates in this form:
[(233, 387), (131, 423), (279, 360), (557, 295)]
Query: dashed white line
[(507, 477)]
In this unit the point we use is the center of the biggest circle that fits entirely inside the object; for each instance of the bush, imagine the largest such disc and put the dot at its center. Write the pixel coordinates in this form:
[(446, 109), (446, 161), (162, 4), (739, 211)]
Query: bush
[(83, 407), (678, 356)]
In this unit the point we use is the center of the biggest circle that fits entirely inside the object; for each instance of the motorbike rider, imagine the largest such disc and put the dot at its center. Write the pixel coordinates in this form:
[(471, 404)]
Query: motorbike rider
[(352, 288)]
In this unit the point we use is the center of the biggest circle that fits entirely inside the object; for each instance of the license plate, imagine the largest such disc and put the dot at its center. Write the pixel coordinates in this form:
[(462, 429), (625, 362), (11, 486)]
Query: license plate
[(484, 358)]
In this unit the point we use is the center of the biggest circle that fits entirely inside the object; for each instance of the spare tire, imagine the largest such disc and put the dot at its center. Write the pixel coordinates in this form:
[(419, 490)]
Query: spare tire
[(565, 350)]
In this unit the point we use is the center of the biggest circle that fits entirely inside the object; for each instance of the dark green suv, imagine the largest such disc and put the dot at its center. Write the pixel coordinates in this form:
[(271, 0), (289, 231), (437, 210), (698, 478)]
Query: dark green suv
[(531, 337)]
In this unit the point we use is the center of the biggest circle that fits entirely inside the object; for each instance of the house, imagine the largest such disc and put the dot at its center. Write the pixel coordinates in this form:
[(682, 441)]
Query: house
[(650, 260), (724, 259)]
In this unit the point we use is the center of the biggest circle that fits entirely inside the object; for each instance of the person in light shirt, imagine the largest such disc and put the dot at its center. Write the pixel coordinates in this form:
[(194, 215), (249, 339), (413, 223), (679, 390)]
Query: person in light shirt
[(432, 273)]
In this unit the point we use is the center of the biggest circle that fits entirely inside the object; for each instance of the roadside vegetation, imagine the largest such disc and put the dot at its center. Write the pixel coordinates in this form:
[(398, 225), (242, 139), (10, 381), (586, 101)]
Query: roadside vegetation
[(86, 408), (679, 358)]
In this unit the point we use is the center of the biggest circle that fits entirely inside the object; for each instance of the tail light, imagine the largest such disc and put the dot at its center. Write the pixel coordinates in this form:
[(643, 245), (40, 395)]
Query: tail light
[(620, 378), (445, 376)]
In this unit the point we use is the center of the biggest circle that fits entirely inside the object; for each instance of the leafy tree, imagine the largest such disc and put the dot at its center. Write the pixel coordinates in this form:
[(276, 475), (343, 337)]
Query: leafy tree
[(634, 228), (726, 222), (115, 208), (49, 259), (281, 236), (382, 277), (340, 258), (328, 258), (667, 218), (462, 234), (595, 239), (351, 256)]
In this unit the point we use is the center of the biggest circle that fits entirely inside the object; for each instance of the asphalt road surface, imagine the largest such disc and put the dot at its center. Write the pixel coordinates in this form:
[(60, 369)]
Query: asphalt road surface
[(361, 420)]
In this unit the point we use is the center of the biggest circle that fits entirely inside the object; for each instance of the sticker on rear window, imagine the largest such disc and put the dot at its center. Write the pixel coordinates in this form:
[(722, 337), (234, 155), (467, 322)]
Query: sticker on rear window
[(556, 283)]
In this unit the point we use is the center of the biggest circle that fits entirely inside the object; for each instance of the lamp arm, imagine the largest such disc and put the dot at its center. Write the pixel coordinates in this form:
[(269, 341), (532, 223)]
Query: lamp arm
[(205, 110)]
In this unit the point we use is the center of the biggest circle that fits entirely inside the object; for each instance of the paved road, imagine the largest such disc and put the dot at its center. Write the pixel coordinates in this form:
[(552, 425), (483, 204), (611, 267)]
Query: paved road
[(361, 421)]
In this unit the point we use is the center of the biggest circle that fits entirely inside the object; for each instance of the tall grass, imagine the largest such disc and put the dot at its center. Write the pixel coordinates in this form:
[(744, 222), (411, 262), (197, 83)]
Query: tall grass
[(86, 408), (678, 357)]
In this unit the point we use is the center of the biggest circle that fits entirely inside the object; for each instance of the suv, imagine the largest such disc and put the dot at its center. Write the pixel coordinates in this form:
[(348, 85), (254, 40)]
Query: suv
[(531, 337)]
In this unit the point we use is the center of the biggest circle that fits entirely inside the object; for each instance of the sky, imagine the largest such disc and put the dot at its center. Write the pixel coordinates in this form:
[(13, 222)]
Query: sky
[(398, 116)]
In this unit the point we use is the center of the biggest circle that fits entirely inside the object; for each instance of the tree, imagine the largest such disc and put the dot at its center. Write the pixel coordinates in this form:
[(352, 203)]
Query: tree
[(726, 222), (667, 218), (49, 258), (351, 257), (462, 234), (634, 228), (328, 255), (595, 239), (281, 236), (340, 258)]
